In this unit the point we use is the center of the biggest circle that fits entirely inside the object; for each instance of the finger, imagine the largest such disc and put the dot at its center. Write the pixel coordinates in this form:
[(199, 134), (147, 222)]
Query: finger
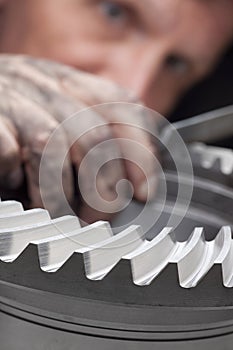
[(142, 168), (99, 169), (87, 87), (99, 174), (133, 126), (44, 90), (35, 126), (84, 131), (10, 162), (48, 74)]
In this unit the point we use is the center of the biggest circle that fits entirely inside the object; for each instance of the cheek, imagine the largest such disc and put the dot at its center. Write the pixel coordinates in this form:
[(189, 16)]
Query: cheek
[(166, 93), (81, 54), (77, 43), (162, 101)]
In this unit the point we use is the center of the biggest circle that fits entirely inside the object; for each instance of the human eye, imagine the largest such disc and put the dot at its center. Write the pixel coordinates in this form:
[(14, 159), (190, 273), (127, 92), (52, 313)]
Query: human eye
[(114, 11), (177, 64)]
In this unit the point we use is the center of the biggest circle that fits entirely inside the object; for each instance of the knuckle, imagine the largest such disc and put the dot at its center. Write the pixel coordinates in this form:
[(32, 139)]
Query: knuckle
[(42, 137), (123, 94), (96, 136)]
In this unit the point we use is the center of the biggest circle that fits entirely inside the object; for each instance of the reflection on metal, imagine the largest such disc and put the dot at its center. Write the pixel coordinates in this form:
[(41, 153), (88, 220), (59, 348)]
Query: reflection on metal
[(58, 239), (195, 250)]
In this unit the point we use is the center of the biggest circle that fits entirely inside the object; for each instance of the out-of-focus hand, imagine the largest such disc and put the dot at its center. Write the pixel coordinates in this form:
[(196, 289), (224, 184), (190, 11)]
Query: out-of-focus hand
[(37, 99)]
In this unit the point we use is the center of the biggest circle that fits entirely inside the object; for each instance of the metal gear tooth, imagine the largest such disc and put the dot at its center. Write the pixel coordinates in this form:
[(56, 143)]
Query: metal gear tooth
[(100, 259), (178, 251), (195, 265), (196, 151), (208, 160), (10, 207), (57, 240), (226, 159), (55, 251), (213, 157), (194, 258), (227, 267), (152, 257), (26, 218), (217, 165), (14, 241)]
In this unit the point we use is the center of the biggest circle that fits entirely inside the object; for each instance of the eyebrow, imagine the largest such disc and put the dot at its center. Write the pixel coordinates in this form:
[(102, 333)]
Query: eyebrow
[(151, 10)]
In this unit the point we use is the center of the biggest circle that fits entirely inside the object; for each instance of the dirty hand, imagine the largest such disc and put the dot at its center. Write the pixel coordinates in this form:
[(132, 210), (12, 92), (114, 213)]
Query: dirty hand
[(40, 99)]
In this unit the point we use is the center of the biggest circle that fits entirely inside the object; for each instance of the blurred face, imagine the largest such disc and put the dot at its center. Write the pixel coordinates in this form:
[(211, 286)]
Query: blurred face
[(157, 48)]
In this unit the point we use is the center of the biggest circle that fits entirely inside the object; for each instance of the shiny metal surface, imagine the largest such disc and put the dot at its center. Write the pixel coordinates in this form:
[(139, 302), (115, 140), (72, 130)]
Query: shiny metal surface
[(211, 126), (193, 245), (65, 309), (58, 239)]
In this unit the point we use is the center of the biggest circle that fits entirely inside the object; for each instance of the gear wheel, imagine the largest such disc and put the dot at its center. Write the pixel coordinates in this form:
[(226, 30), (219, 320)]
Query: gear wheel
[(67, 310)]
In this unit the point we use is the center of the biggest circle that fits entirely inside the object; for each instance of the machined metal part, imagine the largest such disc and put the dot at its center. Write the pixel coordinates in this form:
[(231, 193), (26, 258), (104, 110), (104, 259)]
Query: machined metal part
[(210, 157), (57, 240), (210, 126), (122, 290)]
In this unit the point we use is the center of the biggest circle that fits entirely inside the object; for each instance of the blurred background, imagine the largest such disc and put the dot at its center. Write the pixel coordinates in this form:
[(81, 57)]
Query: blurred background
[(214, 92)]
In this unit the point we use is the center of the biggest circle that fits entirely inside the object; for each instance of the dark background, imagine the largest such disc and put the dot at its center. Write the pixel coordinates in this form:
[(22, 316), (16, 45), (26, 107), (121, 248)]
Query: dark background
[(214, 92)]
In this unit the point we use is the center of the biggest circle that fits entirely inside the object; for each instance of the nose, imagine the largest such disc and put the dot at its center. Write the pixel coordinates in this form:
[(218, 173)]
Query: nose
[(138, 70)]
